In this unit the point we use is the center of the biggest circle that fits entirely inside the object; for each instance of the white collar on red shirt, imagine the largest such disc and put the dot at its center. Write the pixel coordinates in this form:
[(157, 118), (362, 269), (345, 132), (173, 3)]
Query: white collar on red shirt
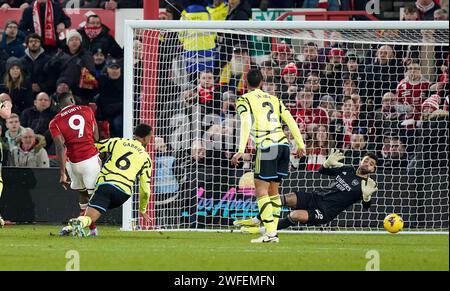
[(425, 9)]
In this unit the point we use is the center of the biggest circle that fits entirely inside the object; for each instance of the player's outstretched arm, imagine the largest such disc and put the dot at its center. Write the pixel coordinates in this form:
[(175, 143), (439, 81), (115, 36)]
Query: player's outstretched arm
[(144, 189), (246, 126), (334, 159), (286, 116), (332, 166)]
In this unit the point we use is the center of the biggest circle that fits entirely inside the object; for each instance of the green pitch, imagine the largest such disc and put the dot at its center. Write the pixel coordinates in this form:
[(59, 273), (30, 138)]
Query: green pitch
[(34, 248)]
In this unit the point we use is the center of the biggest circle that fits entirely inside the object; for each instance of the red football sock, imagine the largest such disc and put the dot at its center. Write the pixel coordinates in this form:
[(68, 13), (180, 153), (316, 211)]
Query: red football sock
[(92, 226)]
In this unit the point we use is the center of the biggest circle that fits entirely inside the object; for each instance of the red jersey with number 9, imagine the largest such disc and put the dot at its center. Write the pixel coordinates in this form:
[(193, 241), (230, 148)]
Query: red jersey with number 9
[(76, 124)]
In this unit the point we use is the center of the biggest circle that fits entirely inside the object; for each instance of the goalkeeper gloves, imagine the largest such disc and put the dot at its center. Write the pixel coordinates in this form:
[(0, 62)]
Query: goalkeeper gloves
[(368, 188), (333, 159)]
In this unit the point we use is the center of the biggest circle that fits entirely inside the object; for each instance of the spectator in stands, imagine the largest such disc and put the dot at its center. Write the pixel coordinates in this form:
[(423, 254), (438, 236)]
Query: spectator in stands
[(307, 116), (115, 4), (39, 116), (352, 69), (228, 105), (342, 127), (237, 10), (441, 15), (165, 180), (207, 92), (7, 4), (356, 104), (430, 105), (441, 87), (328, 104), (411, 13), (99, 62), (219, 10), (270, 86), (96, 35), (289, 84), (62, 87), (16, 85), (233, 73), (332, 74), (33, 64), (75, 67), (386, 117), (169, 51), (411, 93), (282, 55), (199, 47), (12, 40), (311, 62), (337, 41), (357, 150), (349, 87), (313, 84), (48, 20), (426, 9), (196, 157), (215, 143), (30, 152), (13, 132), (110, 100), (382, 75), (267, 69), (317, 148), (432, 143), (394, 154)]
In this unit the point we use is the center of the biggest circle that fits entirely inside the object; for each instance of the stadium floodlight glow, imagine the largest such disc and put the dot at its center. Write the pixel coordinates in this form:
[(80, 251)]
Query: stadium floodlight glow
[(195, 189)]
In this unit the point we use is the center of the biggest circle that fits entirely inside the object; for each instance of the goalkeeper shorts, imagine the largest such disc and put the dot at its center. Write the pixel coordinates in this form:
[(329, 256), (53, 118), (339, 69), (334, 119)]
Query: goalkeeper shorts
[(106, 197), (317, 212)]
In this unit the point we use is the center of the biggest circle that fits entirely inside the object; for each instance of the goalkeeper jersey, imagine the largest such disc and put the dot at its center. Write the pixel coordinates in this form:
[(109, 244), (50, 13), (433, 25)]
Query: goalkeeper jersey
[(128, 161), (261, 116)]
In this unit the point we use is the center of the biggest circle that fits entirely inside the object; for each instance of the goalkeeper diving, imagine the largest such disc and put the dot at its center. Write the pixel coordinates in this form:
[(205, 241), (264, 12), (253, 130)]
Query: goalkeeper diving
[(350, 186)]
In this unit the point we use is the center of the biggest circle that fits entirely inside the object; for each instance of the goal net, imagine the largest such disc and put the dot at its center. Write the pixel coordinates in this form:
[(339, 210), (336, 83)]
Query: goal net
[(359, 87)]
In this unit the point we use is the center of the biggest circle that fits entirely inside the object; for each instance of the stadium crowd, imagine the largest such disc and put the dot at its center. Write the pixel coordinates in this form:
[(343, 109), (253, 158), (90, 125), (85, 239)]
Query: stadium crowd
[(389, 99)]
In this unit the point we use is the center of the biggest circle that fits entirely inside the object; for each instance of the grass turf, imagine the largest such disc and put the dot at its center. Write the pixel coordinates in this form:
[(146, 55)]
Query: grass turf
[(39, 248)]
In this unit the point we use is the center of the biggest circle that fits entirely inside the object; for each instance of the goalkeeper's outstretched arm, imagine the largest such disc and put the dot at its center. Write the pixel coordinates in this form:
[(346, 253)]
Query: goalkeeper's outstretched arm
[(332, 166)]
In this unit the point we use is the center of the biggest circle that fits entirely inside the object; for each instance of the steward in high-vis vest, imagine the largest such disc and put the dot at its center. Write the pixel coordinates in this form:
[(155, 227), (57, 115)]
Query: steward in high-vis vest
[(199, 45)]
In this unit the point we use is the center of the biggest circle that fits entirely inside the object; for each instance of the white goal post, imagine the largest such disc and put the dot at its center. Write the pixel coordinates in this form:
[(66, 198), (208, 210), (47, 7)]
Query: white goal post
[(358, 86)]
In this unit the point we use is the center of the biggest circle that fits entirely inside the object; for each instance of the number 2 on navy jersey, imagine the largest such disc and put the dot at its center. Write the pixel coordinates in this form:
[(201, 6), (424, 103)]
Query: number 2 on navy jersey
[(80, 126)]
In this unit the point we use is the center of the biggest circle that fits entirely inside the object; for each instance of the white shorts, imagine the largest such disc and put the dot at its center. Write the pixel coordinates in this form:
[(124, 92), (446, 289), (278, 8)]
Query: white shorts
[(83, 175)]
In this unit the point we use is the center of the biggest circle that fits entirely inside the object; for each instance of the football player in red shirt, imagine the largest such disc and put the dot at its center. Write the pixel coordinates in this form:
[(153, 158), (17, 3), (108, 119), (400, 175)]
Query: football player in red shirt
[(74, 131)]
